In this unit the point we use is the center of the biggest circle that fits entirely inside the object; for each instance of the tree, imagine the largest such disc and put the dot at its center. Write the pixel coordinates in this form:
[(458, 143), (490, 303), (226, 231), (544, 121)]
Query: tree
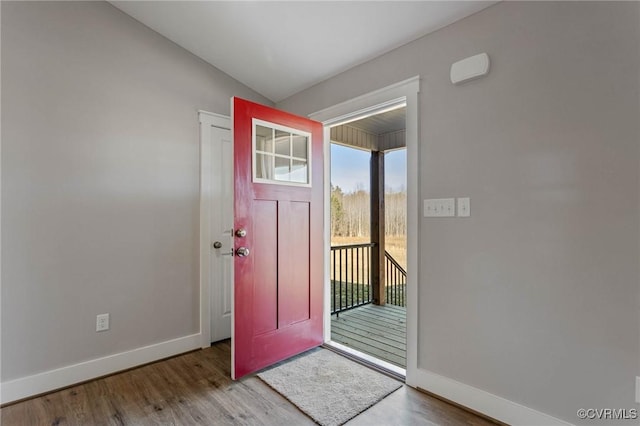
[(337, 211), (396, 213), (351, 212)]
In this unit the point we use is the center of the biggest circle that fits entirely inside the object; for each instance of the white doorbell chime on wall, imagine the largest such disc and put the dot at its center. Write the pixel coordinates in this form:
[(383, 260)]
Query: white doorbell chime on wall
[(470, 68)]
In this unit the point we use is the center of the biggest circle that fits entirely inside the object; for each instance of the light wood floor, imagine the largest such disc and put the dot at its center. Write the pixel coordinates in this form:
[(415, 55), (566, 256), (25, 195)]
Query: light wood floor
[(196, 389), (380, 331)]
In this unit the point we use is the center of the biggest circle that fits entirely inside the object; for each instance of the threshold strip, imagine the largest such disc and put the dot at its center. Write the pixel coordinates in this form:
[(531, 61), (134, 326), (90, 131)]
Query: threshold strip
[(383, 367)]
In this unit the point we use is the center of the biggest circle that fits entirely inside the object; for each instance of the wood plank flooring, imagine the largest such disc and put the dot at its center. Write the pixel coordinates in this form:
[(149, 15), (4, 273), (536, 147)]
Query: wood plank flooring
[(380, 331), (196, 389)]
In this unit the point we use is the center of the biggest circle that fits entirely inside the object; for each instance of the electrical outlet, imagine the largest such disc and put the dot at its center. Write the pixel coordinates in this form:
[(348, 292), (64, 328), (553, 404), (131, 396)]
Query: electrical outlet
[(102, 322)]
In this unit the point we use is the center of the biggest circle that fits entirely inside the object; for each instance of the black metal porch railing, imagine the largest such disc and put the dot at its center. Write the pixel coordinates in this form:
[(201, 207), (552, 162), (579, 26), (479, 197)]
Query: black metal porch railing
[(351, 278), (396, 281)]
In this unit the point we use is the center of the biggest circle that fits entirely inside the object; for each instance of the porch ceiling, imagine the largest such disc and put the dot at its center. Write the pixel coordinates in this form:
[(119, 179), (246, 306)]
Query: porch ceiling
[(380, 132), (386, 122)]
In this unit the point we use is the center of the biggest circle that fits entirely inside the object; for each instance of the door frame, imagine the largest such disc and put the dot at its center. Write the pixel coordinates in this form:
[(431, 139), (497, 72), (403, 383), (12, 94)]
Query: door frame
[(206, 120), (369, 104)]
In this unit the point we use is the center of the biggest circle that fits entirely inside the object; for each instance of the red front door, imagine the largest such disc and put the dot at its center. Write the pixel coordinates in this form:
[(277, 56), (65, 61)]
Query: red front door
[(278, 191)]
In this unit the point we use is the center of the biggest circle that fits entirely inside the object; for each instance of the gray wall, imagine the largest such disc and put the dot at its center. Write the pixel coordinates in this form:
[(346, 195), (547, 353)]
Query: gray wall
[(100, 183), (536, 297)]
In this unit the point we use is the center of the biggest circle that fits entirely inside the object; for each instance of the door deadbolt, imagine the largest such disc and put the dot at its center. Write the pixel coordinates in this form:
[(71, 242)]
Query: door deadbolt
[(241, 233), (242, 252)]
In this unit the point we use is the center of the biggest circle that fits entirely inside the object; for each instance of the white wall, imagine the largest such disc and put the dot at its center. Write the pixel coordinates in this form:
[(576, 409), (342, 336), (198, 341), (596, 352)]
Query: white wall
[(536, 297), (100, 183)]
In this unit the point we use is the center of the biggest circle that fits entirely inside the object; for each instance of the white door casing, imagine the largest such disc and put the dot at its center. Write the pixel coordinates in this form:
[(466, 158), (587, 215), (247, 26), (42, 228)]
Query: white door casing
[(216, 223), (404, 92)]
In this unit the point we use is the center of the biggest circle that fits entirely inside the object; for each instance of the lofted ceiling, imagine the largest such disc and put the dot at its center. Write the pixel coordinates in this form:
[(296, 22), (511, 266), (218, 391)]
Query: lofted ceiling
[(281, 48)]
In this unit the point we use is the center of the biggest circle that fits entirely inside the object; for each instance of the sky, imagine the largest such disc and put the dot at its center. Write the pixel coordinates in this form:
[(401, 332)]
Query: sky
[(350, 168)]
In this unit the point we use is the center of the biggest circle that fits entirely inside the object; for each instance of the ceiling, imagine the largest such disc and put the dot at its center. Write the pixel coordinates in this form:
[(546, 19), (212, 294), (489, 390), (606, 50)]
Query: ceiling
[(281, 48)]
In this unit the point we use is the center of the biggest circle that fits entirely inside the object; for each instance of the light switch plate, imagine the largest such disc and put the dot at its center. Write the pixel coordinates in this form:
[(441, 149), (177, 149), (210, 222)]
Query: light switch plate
[(440, 207), (464, 207)]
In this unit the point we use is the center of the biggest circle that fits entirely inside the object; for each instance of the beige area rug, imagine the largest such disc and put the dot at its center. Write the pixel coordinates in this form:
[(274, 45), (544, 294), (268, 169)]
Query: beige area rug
[(329, 388)]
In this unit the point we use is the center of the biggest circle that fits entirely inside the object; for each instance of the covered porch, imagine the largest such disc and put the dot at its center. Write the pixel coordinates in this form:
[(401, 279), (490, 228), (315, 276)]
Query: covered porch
[(380, 331), (368, 285), (357, 321)]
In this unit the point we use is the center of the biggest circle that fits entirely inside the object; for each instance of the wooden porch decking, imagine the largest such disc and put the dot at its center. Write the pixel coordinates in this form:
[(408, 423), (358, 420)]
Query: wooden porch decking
[(380, 331)]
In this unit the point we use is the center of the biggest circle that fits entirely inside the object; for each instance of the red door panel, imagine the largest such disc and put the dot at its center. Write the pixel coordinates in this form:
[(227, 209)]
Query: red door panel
[(278, 286), (295, 285), (265, 292)]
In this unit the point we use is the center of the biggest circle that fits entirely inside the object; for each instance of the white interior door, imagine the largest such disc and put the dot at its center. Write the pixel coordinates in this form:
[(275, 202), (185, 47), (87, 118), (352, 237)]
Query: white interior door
[(221, 259)]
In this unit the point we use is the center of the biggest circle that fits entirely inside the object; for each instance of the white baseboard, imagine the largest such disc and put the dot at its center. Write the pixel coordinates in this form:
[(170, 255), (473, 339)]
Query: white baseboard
[(481, 401), (47, 381)]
